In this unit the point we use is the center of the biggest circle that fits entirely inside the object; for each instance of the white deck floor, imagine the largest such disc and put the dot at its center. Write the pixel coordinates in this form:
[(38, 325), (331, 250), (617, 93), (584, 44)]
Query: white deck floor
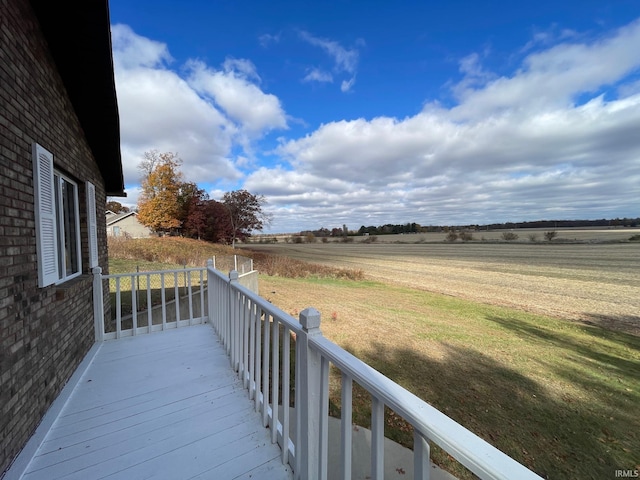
[(162, 406)]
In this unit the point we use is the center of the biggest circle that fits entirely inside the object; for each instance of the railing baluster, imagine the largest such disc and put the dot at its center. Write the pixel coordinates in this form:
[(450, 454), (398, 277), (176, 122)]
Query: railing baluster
[(189, 295), (233, 308), (223, 311), (286, 380), (237, 300), (149, 304), (275, 378), (324, 417), (118, 309), (176, 293), (421, 456), (258, 357), (203, 315), (245, 341), (134, 306), (377, 438), (346, 430), (252, 350), (265, 373), (240, 317), (163, 299)]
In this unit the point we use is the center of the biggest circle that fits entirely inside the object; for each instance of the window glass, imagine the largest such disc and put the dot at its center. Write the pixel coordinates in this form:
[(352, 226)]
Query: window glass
[(68, 222)]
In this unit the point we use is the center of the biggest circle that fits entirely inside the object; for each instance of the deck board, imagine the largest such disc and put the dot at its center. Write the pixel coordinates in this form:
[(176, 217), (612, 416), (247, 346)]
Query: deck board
[(161, 405)]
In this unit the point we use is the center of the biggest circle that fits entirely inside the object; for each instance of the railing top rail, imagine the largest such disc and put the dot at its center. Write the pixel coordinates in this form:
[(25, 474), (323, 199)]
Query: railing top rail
[(266, 306), (480, 457), (154, 272)]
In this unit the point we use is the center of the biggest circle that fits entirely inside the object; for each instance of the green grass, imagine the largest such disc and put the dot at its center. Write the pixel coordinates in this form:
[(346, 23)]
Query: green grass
[(560, 397)]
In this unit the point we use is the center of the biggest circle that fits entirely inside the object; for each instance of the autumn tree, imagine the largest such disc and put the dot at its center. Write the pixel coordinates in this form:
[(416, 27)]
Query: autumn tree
[(218, 226), (158, 203), (193, 216), (245, 213)]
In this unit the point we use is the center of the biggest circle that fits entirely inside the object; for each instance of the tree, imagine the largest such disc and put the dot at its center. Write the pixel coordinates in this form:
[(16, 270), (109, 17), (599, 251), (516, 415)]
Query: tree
[(158, 204), (550, 235), (116, 207), (191, 209), (195, 219), (218, 226), (245, 213)]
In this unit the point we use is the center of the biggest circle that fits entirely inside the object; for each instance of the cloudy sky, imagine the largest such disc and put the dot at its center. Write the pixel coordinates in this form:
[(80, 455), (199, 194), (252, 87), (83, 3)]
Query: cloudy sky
[(366, 112)]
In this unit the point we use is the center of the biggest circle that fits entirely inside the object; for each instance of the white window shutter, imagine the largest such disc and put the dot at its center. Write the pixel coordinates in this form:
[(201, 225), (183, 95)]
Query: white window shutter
[(93, 225), (45, 214)]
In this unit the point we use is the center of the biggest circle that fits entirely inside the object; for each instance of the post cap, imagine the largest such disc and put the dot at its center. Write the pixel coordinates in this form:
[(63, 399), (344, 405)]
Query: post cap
[(310, 319)]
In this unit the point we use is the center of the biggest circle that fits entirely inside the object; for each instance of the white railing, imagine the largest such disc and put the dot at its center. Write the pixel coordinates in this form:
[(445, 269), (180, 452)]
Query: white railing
[(258, 337), (155, 301), (238, 263)]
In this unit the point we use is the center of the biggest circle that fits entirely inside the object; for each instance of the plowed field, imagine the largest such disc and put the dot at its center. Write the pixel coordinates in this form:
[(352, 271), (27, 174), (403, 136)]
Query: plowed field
[(592, 283)]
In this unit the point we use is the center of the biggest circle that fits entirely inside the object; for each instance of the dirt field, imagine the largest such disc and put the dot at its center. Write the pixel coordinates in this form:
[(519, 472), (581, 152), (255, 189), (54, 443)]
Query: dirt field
[(592, 282)]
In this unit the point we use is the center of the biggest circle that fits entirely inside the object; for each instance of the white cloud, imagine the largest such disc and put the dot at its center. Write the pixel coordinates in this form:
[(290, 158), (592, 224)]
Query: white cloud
[(255, 111), (160, 110), (514, 148), (346, 85), (267, 39), (556, 76), (135, 51), (318, 75), (345, 60)]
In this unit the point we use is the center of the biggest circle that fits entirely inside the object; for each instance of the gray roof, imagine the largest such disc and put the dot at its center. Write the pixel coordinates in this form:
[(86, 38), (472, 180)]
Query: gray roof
[(116, 217)]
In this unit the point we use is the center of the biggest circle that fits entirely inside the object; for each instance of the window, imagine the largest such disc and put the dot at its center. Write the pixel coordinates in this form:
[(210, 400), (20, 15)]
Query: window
[(68, 227), (58, 222)]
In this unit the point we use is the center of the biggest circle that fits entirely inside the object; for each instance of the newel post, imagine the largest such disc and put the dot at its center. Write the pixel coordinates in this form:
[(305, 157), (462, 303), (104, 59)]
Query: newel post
[(234, 320), (98, 304), (309, 401)]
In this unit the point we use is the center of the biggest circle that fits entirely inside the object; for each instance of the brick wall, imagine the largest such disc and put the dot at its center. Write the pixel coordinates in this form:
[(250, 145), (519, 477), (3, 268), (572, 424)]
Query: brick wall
[(44, 332)]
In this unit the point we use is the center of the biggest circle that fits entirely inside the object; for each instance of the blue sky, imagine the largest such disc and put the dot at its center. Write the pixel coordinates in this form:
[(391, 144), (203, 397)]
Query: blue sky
[(366, 113)]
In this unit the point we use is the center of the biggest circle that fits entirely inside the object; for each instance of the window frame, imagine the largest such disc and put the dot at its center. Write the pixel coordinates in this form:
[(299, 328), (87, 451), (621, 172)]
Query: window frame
[(59, 180)]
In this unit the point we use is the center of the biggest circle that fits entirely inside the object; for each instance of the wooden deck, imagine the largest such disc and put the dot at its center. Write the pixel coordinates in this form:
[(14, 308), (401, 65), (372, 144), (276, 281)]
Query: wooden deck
[(164, 405)]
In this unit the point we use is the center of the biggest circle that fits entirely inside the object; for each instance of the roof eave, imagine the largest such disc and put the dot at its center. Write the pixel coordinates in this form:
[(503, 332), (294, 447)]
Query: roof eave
[(79, 37)]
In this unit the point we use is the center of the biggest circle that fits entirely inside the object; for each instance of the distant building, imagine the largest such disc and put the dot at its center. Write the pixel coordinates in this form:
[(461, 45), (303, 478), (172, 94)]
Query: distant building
[(126, 225)]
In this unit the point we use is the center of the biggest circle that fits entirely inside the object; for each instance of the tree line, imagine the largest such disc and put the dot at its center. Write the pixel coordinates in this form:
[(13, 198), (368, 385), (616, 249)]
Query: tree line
[(391, 229), (170, 206)]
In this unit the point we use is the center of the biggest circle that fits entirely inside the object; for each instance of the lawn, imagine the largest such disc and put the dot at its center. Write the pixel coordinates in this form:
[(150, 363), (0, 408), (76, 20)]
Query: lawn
[(560, 397)]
